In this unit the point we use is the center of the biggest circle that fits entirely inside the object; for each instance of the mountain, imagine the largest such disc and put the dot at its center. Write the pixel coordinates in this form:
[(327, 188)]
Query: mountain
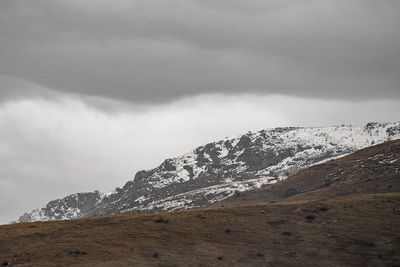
[(217, 170), (370, 170)]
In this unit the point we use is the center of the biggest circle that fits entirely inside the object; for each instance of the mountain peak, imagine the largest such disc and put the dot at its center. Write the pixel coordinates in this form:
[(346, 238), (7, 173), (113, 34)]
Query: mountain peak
[(220, 168)]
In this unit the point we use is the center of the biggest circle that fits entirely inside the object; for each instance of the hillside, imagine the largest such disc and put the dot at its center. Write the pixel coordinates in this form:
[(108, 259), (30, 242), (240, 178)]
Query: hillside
[(361, 230), (371, 170), (217, 170)]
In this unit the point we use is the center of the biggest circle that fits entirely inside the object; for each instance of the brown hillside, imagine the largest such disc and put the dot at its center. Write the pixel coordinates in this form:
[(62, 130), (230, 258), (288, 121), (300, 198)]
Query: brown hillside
[(371, 170), (360, 230)]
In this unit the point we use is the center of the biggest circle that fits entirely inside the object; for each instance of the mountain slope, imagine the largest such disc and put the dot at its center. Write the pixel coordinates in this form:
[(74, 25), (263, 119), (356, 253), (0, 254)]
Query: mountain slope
[(352, 231), (238, 164), (371, 170)]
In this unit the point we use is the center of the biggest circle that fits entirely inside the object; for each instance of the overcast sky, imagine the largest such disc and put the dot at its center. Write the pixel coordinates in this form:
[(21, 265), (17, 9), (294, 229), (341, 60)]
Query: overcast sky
[(92, 91)]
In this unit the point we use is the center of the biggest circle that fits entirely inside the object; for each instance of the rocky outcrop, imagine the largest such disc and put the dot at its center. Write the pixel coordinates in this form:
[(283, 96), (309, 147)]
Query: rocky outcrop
[(72, 206)]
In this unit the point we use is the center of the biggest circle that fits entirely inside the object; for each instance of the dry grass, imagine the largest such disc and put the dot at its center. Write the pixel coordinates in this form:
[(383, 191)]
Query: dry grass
[(360, 230)]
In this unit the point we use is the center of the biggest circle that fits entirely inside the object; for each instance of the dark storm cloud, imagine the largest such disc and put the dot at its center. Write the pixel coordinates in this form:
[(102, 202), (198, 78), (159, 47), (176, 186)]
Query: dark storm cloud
[(161, 50)]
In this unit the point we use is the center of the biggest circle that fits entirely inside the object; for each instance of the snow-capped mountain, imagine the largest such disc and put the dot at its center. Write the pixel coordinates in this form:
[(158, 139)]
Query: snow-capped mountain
[(217, 170)]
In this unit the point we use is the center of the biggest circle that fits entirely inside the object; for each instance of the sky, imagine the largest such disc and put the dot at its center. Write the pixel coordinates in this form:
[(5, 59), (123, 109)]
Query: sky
[(92, 91)]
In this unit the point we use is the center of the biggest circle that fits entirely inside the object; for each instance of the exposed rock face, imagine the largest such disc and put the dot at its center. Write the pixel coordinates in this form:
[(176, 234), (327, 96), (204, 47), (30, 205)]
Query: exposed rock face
[(221, 168), (69, 207)]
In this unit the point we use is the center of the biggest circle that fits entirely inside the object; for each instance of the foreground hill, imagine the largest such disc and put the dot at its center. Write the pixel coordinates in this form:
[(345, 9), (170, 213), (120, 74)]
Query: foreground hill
[(371, 170), (359, 230), (215, 171)]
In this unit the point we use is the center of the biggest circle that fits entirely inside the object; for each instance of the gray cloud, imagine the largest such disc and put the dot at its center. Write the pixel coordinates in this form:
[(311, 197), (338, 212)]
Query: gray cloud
[(152, 51)]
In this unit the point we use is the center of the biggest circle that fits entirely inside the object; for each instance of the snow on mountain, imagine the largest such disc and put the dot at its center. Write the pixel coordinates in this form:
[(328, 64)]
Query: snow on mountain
[(217, 170), (204, 196), (72, 206)]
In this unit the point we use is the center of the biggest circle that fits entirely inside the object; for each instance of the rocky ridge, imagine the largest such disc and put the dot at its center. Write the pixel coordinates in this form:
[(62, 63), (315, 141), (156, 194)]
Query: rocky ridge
[(217, 170), (372, 170)]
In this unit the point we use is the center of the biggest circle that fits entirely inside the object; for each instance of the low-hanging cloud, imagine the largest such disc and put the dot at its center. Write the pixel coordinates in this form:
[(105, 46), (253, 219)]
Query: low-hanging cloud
[(155, 51)]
